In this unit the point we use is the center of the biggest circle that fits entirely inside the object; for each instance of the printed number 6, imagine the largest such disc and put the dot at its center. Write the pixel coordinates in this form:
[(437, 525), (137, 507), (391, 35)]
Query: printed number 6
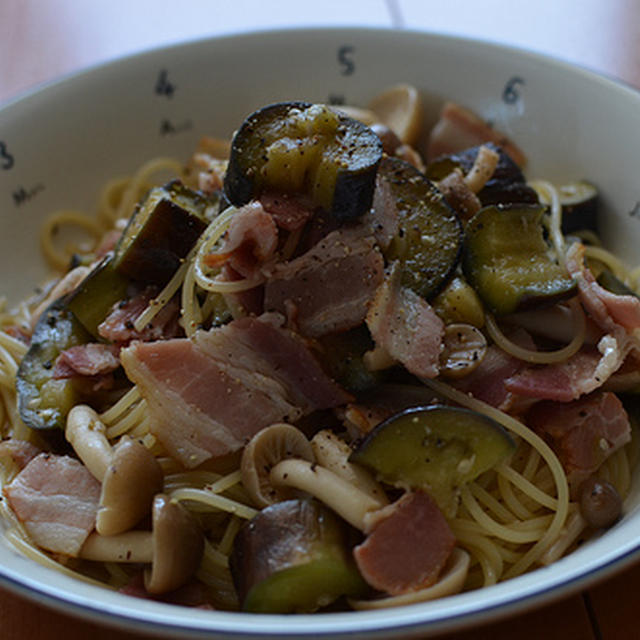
[(511, 95)]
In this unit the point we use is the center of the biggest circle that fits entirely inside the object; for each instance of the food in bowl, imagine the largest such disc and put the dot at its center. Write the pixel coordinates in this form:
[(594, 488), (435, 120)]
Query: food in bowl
[(320, 369)]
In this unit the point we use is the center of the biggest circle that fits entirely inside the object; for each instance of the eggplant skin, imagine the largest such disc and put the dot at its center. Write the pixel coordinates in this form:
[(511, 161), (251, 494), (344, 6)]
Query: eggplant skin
[(160, 233), (429, 240), (92, 299), (434, 448), (507, 185), (293, 557), (307, 150), (506, 260), (43, 403)]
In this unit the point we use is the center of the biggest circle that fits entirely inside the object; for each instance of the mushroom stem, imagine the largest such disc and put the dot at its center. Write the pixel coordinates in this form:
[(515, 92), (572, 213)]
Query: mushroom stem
[(173, 548), (333, 454), (132, 546), (87, 435), (129, 473), (350, 503), (483, 167)]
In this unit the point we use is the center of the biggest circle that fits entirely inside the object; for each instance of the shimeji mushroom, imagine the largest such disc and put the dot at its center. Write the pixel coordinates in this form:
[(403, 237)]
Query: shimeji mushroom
[(283, 444), (332, 452), (129, 473), (174, 547), (267, 448), (400, 109), (464, 348), (354, 496)]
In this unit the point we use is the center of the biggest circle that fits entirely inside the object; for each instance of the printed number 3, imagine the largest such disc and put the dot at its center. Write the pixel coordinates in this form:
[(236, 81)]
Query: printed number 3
[(6, 159)]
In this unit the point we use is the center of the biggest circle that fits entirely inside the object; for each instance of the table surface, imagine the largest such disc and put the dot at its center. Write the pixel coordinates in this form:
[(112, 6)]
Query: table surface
[(41, 40)]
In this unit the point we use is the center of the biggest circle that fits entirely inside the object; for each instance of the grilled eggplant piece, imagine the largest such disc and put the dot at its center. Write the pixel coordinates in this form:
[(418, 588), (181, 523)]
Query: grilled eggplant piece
[(44, 402), (308, 150), (579, 201), (435, 448), (607, 280), (342, 355), (458, 302), (506, 260), (506, 186), (92, 299), (293, 557), (160, 233), (428, 243)]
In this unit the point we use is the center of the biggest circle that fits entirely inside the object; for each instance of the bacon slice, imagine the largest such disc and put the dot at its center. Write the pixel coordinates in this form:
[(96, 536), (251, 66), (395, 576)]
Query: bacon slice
[(583, 433), (583, 373), (289, 212), (56, 498), (20, 451), (406, 327), (612, 312), (407, 546), (250, 240), (251, 301), (328, 288), (91, 359), (263, 348), (487, 381), (458, 129), (209, 395), (383, 217), (118, 326)]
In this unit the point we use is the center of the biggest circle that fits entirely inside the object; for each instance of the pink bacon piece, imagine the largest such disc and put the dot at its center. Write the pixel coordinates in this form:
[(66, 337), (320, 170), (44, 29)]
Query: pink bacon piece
[(328, 288), (406, 327), (56, 499), (584, 433), (458, 129), (209, 395), (407, 546)]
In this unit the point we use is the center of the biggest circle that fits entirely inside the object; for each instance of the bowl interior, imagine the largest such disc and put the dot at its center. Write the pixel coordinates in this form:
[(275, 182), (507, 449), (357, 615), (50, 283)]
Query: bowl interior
[(59, 145)]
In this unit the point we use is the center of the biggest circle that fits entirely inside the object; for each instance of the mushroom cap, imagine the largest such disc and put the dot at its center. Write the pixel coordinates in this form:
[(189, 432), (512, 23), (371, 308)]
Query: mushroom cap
[(265, 450), (400, 108), (178, 545), (464, 348), (133, 477)]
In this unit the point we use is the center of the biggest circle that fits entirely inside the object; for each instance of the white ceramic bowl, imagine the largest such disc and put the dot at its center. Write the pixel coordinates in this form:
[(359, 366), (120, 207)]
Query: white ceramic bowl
[(60, 144)]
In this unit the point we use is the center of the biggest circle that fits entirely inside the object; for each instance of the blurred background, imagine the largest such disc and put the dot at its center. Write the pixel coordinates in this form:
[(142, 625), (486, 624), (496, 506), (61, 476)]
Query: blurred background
[(42, 40)]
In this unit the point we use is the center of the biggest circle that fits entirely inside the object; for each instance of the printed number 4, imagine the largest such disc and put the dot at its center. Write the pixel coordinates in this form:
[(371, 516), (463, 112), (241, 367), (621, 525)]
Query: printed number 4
[(6, 159), (163, 86)]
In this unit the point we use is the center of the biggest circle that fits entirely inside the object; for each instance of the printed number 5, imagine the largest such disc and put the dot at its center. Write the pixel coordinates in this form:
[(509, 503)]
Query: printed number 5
[(6, 159), (346, 62)]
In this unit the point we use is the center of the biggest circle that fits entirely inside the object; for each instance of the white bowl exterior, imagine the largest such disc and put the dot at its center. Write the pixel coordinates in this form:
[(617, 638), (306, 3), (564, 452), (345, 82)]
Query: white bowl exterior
[(62, 143)]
